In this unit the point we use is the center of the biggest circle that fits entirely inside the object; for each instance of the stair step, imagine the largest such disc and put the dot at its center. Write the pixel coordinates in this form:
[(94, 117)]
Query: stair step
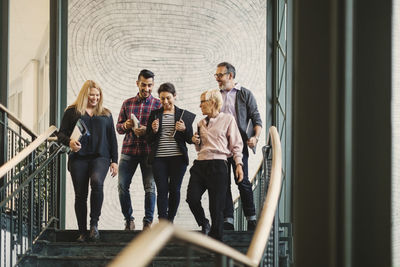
[(64, 261), (105, 235), (103, 249), (92, 261), (59, 248)]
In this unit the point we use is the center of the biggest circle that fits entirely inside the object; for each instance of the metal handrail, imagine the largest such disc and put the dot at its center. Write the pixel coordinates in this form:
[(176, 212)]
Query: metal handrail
[(29, 196), (26, 151), (17, 121), (143, 248), (32, 176)]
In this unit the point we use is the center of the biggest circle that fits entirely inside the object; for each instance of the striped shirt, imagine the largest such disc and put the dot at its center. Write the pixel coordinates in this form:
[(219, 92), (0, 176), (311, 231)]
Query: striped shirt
[(132, 144), (167, 146)]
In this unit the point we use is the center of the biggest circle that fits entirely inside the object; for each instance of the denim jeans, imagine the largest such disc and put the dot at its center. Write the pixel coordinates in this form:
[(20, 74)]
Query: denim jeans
[(168, 174), (83, 170), (245, 189), (126, 170)]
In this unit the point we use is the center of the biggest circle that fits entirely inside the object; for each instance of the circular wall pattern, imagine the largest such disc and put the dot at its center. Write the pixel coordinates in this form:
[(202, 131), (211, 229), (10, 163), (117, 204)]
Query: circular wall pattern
[(181, 41)]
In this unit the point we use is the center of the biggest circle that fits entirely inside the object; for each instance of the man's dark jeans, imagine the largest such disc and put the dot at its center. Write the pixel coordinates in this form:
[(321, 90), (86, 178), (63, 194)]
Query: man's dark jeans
[(126, 170), (245, 189)]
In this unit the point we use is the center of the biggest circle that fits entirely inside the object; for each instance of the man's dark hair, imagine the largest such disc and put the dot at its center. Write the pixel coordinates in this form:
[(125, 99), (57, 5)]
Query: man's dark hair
[(145, 74), (229, 68), (167, 87)]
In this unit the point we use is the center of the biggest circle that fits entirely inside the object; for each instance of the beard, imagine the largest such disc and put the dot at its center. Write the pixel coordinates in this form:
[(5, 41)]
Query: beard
[(144, 93)]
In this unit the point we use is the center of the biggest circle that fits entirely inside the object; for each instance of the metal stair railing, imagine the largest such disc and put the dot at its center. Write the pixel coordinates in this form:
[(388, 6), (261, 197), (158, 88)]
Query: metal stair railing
[(29, 199), (14, 135), (260, 183), (149, 243)]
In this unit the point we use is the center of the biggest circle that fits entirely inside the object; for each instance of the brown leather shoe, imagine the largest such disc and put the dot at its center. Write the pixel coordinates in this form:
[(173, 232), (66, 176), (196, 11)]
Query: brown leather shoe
[(146, 225), (130, 225)]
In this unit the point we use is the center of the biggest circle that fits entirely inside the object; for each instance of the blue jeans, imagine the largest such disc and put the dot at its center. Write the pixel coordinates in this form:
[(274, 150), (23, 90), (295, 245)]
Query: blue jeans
[(168, 174), (126, 170)]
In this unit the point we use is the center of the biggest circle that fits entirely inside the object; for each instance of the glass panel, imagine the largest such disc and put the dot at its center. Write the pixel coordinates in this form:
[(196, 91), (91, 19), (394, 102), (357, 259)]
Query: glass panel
[(29, 64)]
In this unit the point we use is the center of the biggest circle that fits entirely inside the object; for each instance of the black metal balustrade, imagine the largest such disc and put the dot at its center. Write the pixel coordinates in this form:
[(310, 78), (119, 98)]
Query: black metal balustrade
[(279, 247), (28, 187), (15, 136)]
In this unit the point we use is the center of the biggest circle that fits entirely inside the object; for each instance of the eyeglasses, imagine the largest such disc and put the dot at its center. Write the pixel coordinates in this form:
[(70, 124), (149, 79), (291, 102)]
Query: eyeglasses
[(219, 75)]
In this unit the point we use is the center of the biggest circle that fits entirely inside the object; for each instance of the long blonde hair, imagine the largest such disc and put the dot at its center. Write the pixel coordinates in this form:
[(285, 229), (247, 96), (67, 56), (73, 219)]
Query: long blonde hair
[(81, 101)]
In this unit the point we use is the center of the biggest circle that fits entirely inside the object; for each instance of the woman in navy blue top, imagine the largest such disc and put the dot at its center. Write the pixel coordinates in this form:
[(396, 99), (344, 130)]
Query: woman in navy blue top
[(167, 136), (91, 156)]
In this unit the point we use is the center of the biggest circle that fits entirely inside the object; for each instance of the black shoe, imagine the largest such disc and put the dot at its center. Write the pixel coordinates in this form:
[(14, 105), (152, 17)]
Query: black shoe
[(94, 234), (146, 225), (81, 238), (205, 228), (229, 226), (251, 225)]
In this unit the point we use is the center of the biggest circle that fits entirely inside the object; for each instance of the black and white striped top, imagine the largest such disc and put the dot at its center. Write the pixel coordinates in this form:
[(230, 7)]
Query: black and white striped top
[(167, 147)]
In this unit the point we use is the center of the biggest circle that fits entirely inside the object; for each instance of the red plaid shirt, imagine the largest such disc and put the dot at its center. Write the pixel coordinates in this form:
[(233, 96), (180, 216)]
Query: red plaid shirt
[(132, 144)]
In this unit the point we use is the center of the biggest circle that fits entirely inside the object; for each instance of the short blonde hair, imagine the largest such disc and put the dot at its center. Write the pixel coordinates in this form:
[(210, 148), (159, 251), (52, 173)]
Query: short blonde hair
[(81, 101), (215, 96)]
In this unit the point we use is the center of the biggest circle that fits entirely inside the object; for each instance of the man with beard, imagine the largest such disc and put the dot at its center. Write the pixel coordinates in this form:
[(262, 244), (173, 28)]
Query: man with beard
[(132, 122), (241, 103)]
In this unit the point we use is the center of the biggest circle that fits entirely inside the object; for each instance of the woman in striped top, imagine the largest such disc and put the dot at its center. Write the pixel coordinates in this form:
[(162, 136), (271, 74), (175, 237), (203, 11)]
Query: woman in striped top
[(167, 136)]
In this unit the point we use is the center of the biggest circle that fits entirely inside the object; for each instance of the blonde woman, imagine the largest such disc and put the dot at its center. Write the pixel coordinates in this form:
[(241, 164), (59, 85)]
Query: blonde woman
[(217, 139), (91, 156)]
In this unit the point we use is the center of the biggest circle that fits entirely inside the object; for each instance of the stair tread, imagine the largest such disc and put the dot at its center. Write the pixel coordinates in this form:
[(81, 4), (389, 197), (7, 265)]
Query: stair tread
[(61, 248)]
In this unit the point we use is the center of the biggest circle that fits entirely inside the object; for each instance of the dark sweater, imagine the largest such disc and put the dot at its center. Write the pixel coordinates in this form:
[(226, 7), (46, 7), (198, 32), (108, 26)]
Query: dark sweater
[(181, 138), (102, 141)]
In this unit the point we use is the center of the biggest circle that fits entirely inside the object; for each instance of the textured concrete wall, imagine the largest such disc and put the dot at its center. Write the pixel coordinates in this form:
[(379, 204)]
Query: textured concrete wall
[(110, 41)]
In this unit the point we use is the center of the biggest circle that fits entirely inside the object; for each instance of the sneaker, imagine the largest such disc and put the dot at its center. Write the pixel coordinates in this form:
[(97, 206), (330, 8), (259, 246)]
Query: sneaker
[(205, 228), (94, 234), (146, 225), (130, 225), (251, 225), (228, 226)]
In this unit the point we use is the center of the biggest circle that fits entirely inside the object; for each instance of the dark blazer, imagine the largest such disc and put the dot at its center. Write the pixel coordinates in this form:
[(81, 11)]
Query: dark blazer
[(181, 138)]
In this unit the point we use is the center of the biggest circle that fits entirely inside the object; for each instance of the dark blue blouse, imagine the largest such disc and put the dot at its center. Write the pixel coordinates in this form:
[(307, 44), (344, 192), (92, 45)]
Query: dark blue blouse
[(102, 141)]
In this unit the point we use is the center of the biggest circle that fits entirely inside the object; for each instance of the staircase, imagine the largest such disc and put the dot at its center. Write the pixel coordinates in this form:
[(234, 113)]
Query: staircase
[(59, 248)]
